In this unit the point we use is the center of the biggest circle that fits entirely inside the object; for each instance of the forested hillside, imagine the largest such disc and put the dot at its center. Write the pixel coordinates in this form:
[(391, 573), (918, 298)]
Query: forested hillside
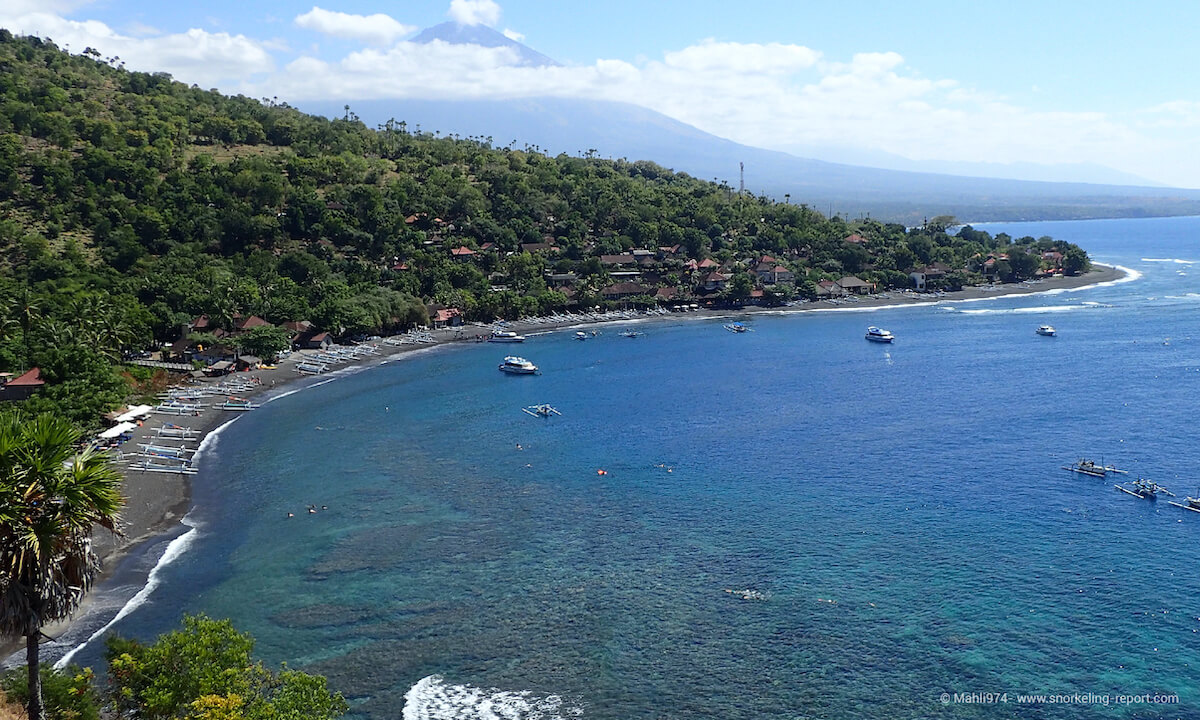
[(132, 204)]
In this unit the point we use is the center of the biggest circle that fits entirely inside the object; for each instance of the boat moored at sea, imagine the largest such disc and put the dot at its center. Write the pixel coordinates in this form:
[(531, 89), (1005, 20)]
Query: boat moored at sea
[(514, 365), (1189, 503), (879, 335), (1145, 489), (1090, 467), (1046, 330), (544, 410), (505, 336), (736, 327)]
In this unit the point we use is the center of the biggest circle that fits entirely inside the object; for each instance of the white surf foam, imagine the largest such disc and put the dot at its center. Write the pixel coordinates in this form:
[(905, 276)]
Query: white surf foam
[(1177, 261), (1035, 310), (175, 548), (432, 698)]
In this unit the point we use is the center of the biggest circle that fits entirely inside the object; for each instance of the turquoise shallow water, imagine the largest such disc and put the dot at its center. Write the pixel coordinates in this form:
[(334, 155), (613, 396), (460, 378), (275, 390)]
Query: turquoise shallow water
[(902, 508)]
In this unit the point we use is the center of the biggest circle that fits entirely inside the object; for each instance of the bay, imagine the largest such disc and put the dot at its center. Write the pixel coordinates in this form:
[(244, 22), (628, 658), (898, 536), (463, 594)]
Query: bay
[(902, 510)]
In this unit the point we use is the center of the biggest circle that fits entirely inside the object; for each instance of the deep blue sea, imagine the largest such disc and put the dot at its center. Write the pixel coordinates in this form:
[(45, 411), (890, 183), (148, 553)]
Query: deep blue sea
[(902, 509)]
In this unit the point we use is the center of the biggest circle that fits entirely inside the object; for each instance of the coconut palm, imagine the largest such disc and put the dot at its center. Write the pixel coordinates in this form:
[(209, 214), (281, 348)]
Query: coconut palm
[(51, 498)]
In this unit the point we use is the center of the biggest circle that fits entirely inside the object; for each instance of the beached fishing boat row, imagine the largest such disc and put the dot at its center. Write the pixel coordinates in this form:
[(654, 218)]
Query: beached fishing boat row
[(169, 450), (416, 336), (1139, 488), (321, 361)]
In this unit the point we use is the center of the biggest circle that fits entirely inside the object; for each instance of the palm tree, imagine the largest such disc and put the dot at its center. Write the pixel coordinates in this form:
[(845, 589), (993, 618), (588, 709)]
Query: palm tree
[(51, 498), (28, 312)]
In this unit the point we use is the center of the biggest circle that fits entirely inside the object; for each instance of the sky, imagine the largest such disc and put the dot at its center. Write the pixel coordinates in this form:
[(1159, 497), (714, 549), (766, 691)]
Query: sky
[(922, 81)]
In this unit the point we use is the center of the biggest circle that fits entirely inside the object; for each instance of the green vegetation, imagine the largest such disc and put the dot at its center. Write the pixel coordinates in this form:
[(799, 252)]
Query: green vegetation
[(206, 670), (50, 500), (68, 694), (133, 204)]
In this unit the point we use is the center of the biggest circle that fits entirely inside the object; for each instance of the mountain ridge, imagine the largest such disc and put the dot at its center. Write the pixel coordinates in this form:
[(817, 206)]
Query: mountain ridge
[(622, 130)]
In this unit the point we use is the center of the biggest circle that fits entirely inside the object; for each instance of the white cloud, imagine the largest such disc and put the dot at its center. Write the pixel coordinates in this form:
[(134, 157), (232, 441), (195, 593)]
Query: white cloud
[(195, 57), (475, 12), (768, 95), (377, 29), (513, 35)]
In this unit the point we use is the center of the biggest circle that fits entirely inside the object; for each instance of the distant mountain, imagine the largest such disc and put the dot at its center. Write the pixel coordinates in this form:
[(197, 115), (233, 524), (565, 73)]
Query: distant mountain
[(1061, 172), (618, 130), (483, 36)]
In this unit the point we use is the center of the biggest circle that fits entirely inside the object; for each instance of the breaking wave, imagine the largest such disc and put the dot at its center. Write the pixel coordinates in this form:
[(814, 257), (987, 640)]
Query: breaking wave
[(432, 698)]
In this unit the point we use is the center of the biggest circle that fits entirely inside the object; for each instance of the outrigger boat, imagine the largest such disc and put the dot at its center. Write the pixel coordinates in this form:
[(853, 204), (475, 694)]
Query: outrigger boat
[(1145, 489), (1189, 503), (632, 333), (736, 327), (165, 450), (236, 403), (170, 430), (543, 410), (1089, 467)]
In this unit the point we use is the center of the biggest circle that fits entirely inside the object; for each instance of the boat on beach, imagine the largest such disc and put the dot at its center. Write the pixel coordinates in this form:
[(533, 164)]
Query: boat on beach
[(879, 335), (505, 336), (1046, 330), (1145, 489), (514, 365), (238, 404)]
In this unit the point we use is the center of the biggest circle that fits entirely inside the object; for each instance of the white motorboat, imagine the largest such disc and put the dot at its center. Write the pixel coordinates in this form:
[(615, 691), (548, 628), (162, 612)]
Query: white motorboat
[(875, 334), (505, 336), (518, 366), (1047, 330)]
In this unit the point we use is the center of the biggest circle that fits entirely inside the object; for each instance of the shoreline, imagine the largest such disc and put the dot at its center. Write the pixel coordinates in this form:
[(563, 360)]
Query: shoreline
[(157, 503)]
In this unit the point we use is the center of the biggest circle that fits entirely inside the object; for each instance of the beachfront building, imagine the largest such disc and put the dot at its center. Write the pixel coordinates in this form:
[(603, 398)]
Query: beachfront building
[(854, 286), (924, 278), (314, 341), (444, 317)]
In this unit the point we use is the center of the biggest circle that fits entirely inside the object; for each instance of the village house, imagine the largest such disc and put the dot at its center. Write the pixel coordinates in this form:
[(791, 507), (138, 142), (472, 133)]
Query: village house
[(624, 290), (618, 260), (241, 324), (16, 389), (715, 282)]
